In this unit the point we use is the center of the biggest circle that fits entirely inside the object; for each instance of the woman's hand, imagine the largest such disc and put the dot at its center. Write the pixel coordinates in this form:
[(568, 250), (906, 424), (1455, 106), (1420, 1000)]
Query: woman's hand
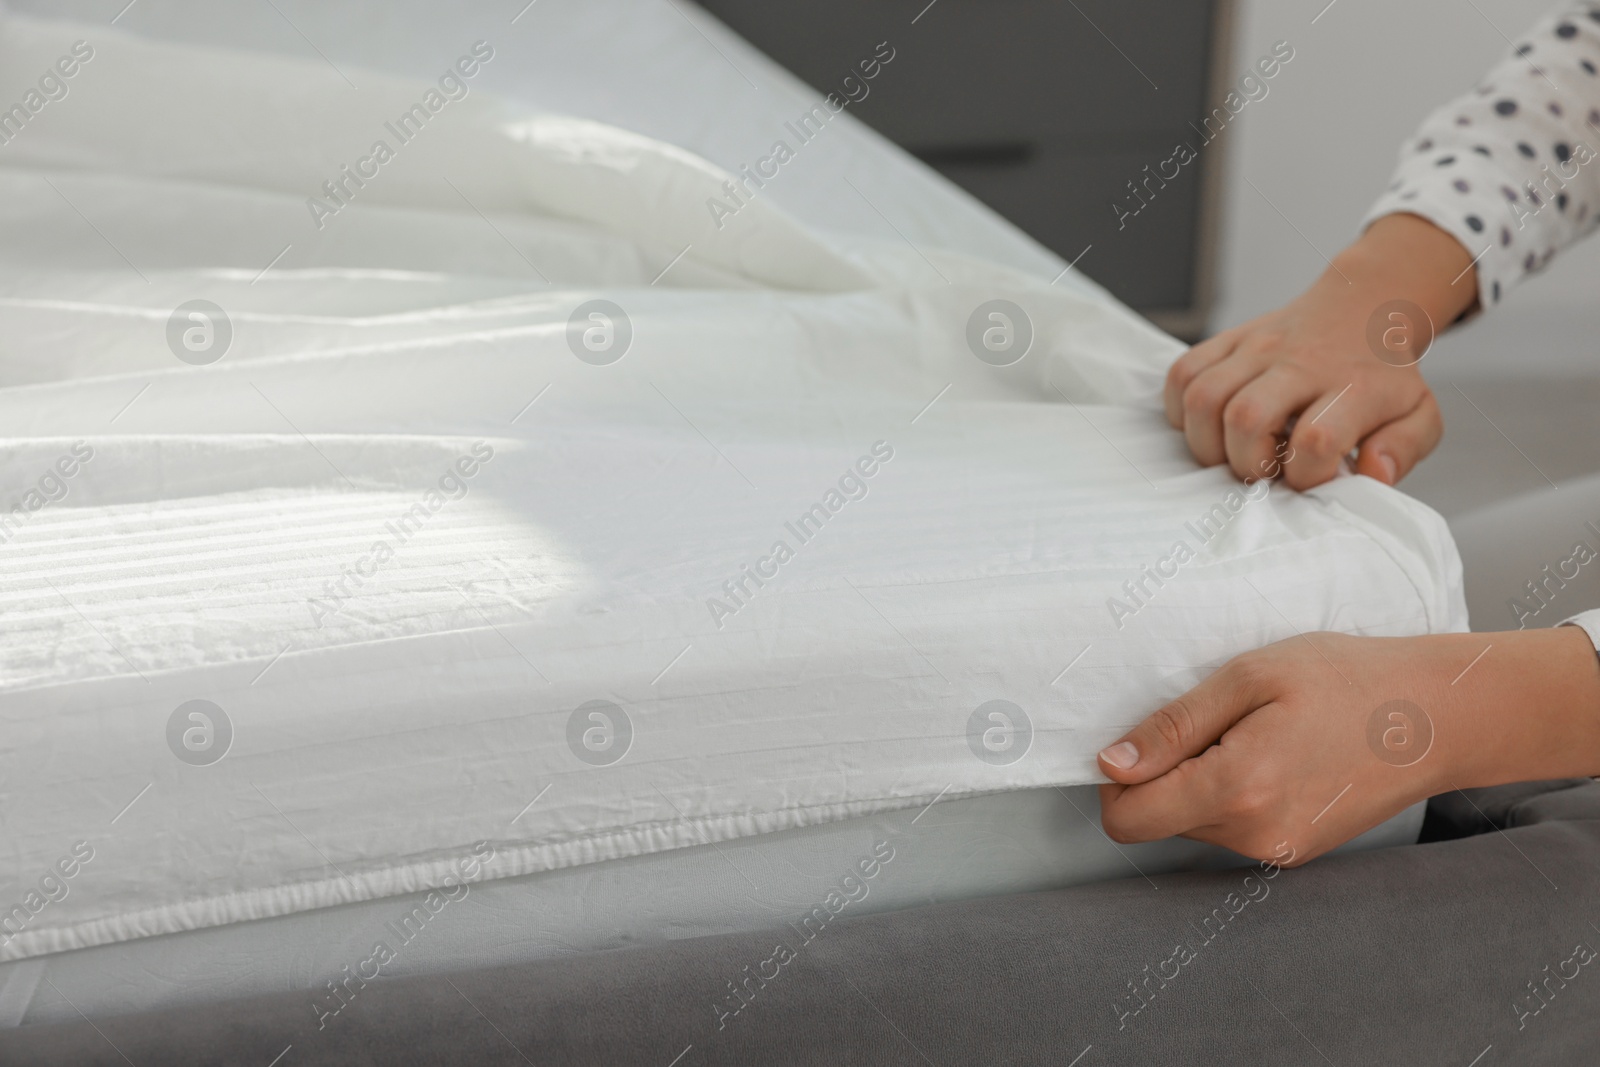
[(1297, 747), (1315, 361)]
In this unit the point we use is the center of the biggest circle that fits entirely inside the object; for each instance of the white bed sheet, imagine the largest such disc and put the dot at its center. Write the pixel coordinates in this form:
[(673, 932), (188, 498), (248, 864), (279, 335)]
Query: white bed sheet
[(373, 749), (668, 71)]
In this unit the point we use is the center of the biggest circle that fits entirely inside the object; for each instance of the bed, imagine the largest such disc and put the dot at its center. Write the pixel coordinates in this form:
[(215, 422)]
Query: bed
[(395, 549)]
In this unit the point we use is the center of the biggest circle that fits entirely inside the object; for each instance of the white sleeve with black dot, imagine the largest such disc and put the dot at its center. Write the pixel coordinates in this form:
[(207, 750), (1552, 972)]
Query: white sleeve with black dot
[(1512, 169), (1589, 623)]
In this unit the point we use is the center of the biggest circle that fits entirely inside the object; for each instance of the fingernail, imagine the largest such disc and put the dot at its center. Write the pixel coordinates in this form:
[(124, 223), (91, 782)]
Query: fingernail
[(1390, 470), (1121, 755)]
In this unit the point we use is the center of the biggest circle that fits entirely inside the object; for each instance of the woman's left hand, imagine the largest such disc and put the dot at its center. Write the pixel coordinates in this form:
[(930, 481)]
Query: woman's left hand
[(1295, 748)]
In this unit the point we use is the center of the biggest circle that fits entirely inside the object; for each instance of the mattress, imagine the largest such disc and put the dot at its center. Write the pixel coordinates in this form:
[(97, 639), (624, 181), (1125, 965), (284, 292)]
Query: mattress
[(1019, 841), (361, 553)]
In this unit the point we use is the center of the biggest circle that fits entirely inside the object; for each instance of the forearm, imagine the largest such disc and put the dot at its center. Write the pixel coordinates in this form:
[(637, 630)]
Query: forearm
[(1529, 709), (1401, 257), (1406, 257)]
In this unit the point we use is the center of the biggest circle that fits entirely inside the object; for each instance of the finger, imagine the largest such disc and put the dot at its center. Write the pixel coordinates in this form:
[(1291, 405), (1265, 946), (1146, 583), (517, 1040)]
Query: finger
[(1188, 800), (1188, 366), (1206, 798), (1392, 451), (1208, 394), (1254, 419), (1189, 725), (1337, 421)]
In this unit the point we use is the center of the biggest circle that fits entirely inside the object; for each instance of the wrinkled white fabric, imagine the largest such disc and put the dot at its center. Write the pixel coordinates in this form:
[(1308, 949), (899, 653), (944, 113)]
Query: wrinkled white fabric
[(219, 542)]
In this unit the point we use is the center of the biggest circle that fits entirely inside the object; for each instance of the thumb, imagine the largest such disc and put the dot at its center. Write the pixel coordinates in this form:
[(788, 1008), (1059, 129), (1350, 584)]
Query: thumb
[(1392, 450), (1187, 726)]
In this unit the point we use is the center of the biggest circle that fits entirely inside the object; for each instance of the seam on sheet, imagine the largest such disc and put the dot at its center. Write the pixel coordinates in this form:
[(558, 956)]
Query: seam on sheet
[(280, 900)]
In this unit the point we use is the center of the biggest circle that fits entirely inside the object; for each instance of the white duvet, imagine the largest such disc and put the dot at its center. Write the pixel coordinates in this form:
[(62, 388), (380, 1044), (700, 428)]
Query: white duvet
[(402, 544)]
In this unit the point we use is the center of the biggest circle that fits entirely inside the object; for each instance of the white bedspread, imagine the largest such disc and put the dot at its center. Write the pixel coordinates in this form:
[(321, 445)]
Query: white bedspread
[(403, 536)]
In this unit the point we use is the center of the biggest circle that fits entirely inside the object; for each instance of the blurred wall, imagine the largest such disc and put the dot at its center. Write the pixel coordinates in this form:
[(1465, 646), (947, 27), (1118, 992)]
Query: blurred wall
[(1322, 146)]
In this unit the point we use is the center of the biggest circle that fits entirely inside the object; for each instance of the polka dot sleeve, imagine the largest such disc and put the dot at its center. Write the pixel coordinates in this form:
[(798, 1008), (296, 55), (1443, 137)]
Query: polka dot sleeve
[(1511, 169), (1589, 623)]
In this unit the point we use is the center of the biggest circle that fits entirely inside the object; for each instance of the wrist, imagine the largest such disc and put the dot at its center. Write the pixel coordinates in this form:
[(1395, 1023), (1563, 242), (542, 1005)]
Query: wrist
[(1406, 257), (1529, 709)]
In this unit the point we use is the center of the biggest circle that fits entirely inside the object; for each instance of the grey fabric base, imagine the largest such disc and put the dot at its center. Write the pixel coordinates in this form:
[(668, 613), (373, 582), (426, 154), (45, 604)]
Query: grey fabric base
[(1418, 954), (1506, 545)]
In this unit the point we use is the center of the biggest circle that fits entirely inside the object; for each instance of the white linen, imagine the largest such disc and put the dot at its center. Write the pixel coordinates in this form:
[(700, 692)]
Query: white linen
[(667, 71), (191, 557), (1021, 841)]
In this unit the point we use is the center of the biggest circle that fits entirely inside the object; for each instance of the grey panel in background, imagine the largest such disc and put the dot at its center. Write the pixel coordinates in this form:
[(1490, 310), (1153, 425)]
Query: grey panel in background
[(1150, 264), (1045, 111)]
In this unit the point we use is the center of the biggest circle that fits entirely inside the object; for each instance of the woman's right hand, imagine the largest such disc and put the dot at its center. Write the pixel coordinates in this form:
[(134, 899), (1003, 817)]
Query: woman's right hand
[(1340, 361)]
